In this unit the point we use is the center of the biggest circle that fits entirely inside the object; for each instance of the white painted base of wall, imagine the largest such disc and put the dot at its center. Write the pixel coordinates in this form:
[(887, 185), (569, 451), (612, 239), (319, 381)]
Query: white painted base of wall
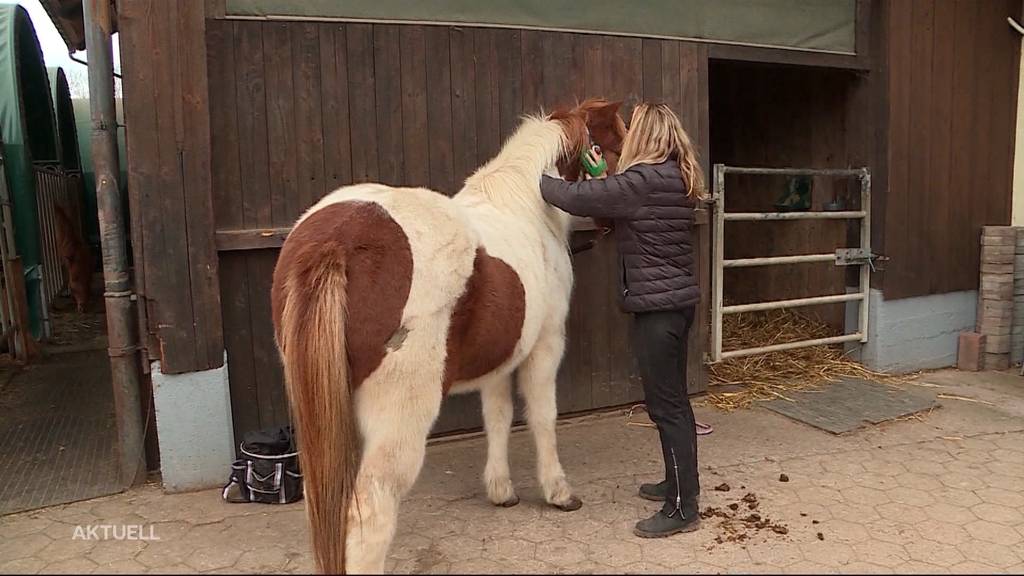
[(193, 419), (913, 333)]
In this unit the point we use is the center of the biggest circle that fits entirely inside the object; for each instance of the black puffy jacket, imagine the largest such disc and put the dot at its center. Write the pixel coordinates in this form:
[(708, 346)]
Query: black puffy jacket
[(654, 221)]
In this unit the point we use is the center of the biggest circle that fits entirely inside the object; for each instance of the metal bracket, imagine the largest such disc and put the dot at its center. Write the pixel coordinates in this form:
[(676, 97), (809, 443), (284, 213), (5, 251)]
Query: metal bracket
[(857, 257)]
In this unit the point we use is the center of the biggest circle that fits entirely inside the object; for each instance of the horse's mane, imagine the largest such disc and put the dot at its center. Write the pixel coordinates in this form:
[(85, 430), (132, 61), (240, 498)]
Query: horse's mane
[(511, 180)]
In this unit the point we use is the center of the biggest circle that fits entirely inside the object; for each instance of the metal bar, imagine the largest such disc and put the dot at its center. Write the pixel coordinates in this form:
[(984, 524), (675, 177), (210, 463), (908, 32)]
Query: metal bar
[(843, 172), (791, 345), (719, 259), (122, 337), (865, 243), (773, 260), (794, 303), (758, 216)]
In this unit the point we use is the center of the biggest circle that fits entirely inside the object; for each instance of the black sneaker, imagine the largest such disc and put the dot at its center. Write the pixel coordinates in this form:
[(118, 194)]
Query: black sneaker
[(661, 525), (654, 492)]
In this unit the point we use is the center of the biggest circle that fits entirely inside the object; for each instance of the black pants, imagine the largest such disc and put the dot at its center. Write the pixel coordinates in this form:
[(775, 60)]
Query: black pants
[(659, 343)]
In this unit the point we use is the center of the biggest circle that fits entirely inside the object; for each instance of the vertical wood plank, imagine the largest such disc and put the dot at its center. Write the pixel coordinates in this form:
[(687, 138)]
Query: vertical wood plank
[(463, 97), (308, 123), (362, 102), (334, 100), (269, 379), (253, 140), (919, 155), (439, 110), (670, 76), (488, 100), (227, 187), (277, 54), (414, 106), (554, 69), (533, 71), (235, 304), (940, 172), (387, 63), (510, 89), (900, 23), (652, 71)]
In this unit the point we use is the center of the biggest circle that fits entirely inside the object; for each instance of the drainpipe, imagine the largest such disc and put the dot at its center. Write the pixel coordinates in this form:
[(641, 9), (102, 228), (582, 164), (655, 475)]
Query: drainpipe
[(121, 329)]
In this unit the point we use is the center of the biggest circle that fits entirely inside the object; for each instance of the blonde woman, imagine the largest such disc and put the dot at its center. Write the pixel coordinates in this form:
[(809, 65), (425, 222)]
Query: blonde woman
[(651, 199)]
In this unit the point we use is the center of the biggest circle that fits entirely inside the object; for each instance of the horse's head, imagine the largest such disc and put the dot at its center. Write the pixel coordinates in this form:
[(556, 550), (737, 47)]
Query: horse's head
[(594, 121)]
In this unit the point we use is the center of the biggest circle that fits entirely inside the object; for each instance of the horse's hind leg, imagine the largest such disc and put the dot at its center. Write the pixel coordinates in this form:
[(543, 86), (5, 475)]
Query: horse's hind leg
[(537, 385), (395, 418), (496, 397)]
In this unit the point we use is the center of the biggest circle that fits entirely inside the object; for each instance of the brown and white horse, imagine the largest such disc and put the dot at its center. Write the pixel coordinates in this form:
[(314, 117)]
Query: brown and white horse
[(385, 299)]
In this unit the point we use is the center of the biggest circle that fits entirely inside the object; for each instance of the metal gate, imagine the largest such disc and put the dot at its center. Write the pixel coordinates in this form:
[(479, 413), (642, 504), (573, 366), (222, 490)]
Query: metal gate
[(861, 256), (55, 186)]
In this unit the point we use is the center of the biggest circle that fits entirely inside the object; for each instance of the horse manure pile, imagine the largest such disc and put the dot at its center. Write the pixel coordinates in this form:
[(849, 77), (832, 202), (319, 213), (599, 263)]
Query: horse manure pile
[(772, 375), (738, 522)]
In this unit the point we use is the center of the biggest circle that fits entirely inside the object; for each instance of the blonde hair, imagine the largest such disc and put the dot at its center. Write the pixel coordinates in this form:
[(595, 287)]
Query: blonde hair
[(655, 133)]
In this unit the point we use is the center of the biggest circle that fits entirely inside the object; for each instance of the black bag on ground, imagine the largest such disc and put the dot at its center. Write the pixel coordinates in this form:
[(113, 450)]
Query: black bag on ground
[(268, 470)]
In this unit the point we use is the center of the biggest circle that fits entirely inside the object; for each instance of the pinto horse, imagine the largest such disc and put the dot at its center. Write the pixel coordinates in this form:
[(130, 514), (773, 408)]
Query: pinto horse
[(385, 299)]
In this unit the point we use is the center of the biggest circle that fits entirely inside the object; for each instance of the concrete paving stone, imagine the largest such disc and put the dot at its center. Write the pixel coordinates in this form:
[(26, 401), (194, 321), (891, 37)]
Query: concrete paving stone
[(510, 550), (66, 549), (846, 531), (754, 567), (173, 569), (862, 567), (884, 467), (562, 552), (924, 467), (1008, 455), (836, 480), (408, 546), (934, 553), (616, 552), (583, 529), (23, 546), (538, 531), (123, 566), (29, 565), (110, 551), (70, 566), (881, 553), (893, 532), (704, 568), (919, 481), (1001, 496), (915, 567), (777, 554), (585, 567), (460, 547), (844, 465), (477, 566), (213, 557), (878, 481), (956, 497), (1001, 481), (996, 555), (820, 495), (911, 496), (1008, 441), (1013, 469), (158, 554), (998, 513), (944, 511), (902, 512), (992, 532), (865, 496), (944, 532), (972, 567), (668, 552), (828, 552), (856, 513), (961, 480), (12, 527), (809, 567), (647, 568), (725, 555)]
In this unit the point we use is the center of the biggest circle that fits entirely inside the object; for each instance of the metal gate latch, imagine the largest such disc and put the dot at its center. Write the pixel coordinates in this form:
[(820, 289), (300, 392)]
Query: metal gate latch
[(857, 257)]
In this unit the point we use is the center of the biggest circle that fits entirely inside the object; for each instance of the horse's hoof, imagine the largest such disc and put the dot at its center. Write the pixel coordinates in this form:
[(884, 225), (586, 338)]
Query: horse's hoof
[(570, 505), (510, 502)]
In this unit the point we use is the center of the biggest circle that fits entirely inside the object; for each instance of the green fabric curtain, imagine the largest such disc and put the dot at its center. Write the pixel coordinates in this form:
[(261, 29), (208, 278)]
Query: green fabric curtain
[(817, 25)]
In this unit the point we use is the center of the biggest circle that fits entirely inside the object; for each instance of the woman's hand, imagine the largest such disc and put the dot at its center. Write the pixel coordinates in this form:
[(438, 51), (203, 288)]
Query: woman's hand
[(594, 157)]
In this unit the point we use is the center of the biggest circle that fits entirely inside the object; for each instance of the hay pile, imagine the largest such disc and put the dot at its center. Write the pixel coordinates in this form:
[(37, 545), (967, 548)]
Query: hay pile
[(772, 375)]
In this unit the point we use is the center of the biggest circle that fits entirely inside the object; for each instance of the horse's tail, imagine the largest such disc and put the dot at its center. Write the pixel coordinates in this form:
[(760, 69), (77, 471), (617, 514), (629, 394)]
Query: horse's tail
[(312, 338)]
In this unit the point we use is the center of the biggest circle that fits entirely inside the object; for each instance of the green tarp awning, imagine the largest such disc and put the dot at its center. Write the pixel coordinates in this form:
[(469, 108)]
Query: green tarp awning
[(817, 25)]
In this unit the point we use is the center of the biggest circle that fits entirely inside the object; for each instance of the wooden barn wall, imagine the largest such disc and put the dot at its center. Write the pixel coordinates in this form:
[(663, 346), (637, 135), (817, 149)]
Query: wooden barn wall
[(952, 68), (166, 110), (301, 108), (778, 116)]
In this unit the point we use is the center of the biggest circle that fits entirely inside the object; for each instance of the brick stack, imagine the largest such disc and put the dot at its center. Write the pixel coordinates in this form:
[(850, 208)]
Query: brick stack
[(1017, 335), (995, 302)]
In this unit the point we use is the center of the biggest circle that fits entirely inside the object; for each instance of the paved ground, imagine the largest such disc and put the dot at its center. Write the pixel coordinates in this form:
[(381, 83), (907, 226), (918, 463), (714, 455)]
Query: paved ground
[(944, 493)]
